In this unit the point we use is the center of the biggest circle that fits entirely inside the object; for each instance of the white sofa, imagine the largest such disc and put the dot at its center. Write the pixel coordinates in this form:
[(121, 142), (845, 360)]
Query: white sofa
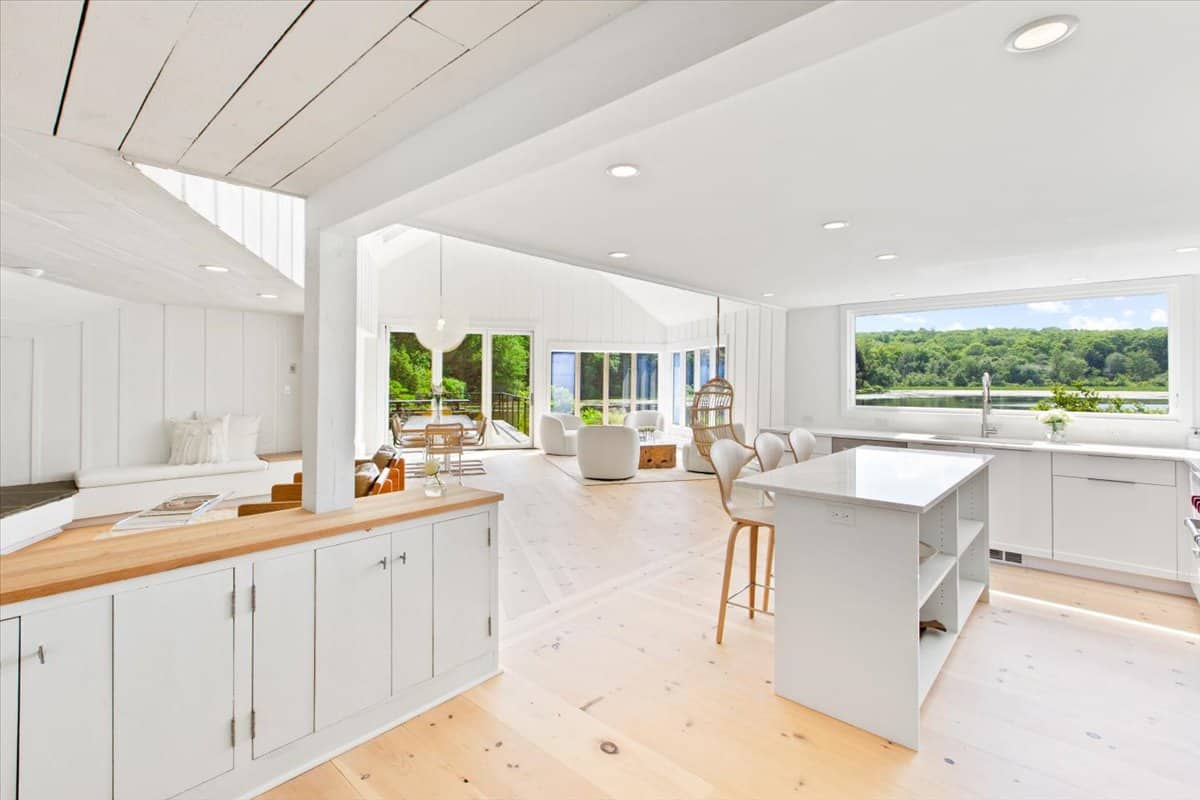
[(694, 462), (608, 452), (645, 419), (557, 432)]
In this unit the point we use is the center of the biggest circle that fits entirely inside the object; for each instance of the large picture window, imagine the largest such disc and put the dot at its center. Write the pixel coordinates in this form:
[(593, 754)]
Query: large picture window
[(602, 387), (1103, 354)]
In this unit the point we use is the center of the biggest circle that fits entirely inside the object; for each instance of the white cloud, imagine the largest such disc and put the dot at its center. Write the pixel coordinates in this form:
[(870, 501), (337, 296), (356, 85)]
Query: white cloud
[(1159, 316), (955, 326), (1080, 322), (1050, 307), (1129, 312)]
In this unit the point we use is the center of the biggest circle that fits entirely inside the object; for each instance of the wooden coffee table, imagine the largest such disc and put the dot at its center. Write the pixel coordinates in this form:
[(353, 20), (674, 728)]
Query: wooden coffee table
[(657, 456)]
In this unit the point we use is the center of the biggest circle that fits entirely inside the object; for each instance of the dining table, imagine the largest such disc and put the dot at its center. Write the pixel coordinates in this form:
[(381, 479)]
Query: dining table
[(417, 423)]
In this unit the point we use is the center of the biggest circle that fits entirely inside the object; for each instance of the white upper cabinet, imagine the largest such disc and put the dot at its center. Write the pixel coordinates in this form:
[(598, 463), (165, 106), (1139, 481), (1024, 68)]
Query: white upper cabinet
[(284, 631), (66, 673), (412, 607), (354, 641), (462, 586), (1019, 504), (173, 685)]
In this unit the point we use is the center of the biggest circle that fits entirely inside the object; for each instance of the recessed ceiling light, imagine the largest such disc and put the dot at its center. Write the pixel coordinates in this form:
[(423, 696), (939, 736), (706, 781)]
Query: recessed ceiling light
[(214, 268), (268, 296), (618, 254), (897, 294), (1187, 249), (768, 294), (1041, 33), (623, 170), (836, 225), (886, 257), (32, 272)]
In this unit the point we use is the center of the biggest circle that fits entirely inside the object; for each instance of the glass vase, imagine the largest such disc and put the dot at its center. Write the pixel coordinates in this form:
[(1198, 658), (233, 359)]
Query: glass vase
[(434, 487)]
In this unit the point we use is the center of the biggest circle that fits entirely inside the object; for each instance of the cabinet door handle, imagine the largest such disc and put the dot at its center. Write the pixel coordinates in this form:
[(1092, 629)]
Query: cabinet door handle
[(383, 563), (41, 654), (402, 558), (1113, 480)]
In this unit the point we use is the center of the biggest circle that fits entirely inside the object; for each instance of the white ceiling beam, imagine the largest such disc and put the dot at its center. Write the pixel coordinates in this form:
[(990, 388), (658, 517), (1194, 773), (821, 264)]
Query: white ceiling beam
[(406, 57), (618, 59), (469, 22), (36, 39), (122, 47), (327, 39), (223, 43)]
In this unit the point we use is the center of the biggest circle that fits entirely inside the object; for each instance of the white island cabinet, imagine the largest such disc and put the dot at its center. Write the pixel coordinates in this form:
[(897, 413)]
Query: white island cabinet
[(301, 636), (852, 589)]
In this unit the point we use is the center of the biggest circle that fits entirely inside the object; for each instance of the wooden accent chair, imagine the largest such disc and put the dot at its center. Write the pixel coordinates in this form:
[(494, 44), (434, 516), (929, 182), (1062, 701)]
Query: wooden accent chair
[(445, 440), (728, 457), (476, 437), (389, 478)]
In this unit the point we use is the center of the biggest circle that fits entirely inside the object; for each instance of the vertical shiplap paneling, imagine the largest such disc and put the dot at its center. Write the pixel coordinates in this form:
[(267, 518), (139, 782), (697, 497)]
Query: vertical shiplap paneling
[(778, 366), (183, 367), (16, 409), (252, 220), (766, 377), (100, 390), (270, 228), (142, 439), (223, 368), (261, 333), (229, 209), (57, 383), (287, 414)]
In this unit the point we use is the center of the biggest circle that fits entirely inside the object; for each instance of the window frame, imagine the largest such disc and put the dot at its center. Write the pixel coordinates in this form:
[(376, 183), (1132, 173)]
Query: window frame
[(633, 353), (1173, 288)]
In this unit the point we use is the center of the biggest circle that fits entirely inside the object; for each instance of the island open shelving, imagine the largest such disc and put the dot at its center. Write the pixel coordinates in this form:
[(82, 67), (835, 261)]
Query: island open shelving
[(848, 576)]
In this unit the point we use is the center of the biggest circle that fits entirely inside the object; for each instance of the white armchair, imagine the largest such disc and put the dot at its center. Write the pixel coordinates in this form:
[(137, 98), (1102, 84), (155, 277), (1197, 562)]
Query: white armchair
[(694, 462), (608, 452), (557, 433), (645, 419)]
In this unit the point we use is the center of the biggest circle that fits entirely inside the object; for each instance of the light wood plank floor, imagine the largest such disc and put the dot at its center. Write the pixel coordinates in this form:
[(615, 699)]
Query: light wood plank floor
[(614, 687)]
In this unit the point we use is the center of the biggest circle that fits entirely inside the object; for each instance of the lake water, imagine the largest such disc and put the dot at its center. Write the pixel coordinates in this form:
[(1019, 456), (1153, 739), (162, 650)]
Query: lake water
[(1156, 402)]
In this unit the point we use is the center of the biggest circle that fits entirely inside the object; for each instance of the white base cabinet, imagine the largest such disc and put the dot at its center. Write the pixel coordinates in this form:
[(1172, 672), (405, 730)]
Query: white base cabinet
[(412, 607), (1116, 525), (354, 653), (283, 604), (66, 672), (172, 685), (221, 680), (1020, 511)]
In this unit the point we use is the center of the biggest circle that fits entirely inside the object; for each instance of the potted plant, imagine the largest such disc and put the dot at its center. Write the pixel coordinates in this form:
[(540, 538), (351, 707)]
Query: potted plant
[(1056, 419)]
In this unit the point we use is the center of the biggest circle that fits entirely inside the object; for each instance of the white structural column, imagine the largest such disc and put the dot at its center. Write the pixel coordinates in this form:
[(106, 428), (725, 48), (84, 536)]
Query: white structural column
[(330, 341)]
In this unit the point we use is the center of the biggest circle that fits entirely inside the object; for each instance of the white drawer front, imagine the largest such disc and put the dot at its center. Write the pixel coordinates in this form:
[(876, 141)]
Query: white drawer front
[(1135, 470), (1130, 527)]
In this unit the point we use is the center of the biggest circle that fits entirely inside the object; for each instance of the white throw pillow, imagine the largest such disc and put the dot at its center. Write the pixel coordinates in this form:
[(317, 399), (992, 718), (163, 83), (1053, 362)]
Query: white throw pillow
[(199, 441), (243, 436)]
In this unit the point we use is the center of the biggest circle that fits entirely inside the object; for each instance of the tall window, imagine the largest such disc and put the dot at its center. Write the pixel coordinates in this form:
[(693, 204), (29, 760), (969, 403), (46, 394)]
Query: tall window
[(691, 369), (1085, 354), (410, 371), (602, 387), (677, 388)]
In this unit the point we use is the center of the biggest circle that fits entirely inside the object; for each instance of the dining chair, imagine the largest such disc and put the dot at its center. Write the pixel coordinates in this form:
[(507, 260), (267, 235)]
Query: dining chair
[(476, 437), (445, 440), (769, 450), (728, 457)]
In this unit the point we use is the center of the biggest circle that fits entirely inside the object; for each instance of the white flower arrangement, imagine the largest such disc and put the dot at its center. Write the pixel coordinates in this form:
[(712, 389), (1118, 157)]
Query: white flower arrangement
[(1056, 419), (438, 390)]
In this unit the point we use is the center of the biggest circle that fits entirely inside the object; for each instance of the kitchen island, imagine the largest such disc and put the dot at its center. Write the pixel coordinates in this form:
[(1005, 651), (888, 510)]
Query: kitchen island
[(852, 588), (219, 659)]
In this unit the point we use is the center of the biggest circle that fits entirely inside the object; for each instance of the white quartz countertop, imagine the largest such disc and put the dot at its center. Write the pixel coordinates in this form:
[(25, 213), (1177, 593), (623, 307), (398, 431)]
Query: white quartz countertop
[(1000, 443), (885, 477)]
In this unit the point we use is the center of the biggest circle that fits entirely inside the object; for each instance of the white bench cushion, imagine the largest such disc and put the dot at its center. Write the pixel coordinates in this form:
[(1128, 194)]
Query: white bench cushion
[(115, 476)]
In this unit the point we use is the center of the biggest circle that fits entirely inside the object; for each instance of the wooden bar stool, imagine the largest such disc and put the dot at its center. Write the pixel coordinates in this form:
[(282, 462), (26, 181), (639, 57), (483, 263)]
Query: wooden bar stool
[(728, 457)]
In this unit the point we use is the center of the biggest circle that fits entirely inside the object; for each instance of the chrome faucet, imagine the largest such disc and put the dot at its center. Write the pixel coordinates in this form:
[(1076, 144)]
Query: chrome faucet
[(986, 429)]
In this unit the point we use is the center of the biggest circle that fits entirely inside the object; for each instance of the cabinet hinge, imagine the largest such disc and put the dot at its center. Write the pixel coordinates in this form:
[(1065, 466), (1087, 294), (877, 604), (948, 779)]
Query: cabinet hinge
[(254, 597), (253, 723), (233, 732), (489, 626)]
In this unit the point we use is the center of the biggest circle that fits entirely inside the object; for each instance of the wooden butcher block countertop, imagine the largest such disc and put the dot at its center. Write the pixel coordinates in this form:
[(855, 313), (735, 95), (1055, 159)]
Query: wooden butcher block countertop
[(46, 568)]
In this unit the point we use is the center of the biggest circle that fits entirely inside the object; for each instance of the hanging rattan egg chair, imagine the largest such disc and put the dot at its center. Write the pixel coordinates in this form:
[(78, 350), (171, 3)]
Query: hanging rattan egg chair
[(712, 415)]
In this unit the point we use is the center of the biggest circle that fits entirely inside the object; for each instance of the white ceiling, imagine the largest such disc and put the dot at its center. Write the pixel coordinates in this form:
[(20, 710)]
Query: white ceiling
[(28, 303), (982, 169), (94, 222), (286, 94)]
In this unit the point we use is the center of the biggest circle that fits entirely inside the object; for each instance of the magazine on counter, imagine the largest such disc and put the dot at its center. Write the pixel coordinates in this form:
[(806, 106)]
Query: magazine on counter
[(180, 509)]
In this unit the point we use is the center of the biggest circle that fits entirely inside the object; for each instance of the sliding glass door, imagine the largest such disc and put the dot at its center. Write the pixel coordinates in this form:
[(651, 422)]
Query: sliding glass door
[(511, 378), (462, 376)]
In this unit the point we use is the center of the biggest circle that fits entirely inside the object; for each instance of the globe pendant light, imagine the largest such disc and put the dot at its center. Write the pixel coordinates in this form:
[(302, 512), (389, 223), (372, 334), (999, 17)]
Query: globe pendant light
[(441, 329)]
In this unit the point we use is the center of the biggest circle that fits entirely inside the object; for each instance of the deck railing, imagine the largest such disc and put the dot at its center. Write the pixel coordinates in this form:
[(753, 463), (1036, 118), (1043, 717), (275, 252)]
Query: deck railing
[(506, 407)]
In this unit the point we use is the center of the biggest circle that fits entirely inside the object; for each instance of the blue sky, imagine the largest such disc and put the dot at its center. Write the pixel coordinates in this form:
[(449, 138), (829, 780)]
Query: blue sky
[(1094, 313)]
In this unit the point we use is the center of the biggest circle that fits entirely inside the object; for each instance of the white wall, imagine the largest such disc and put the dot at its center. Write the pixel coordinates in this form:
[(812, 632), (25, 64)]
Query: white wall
[(755, 340), (815, 387), (96, 392)]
